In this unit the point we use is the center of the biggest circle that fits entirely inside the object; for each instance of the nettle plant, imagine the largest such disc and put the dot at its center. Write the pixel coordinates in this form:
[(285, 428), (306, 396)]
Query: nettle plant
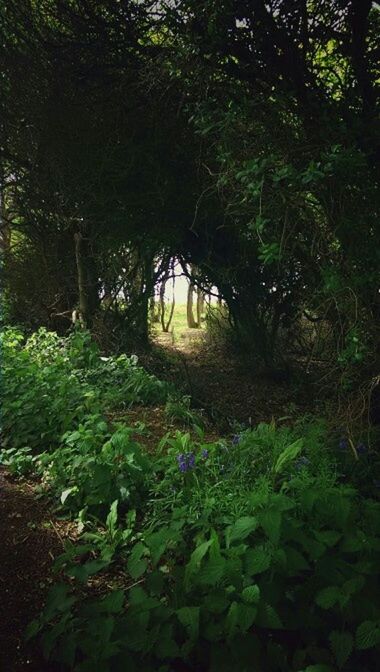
[(285, 582), (51, 384), (93, 467), (42, 395)]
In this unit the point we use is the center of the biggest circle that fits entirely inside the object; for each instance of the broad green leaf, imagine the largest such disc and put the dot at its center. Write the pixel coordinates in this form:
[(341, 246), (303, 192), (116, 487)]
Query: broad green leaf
[(189, 617), (342, 644), (328, 537), (257, 560), (198, 554), (216, 602), (270, 521), (166, 646), (83, 572), (231, 620), (320, 667), (241, 529), (268, 617), (157, 542), (288, 455), (327, 597), (368, 635), (251, 594), (246, 614), (59, 599), (111, 521), (113, 602), (33, 628), (65, 494), (136, 564), (211, 573), (295, 561)]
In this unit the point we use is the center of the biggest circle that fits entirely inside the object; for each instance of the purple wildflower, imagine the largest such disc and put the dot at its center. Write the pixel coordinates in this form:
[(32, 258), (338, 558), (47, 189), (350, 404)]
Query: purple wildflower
[(235, 440), (185, 461), (302, 461), (343, 444), (361, 449), (190, 460), (204, 454), (182, 462)]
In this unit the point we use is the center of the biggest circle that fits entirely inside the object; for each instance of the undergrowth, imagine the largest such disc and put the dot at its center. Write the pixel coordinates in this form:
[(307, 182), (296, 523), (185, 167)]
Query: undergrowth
[(253, 552)]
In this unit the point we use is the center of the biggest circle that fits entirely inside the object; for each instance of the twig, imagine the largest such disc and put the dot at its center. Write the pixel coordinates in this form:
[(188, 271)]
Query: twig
[(57, 533)]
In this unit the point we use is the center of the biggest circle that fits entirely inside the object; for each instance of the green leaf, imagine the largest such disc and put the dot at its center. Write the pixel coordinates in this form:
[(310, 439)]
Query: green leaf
[(111, 521), (59, 600), (158, 541), (216, 602), (368, 635), (251, 594), (198, 554), (193, 565), (327, 597), (33, 628), (189, 617), (67, 492), (246, 615), (136, 565), (257, 560), (268, 617), (212, 572), (328, 537), (318, 668), (295, 561), (166, 645), (83, 572), (270, 521), (231, 620), (241, 529), (288, 455), (113, 602), (342, 644)]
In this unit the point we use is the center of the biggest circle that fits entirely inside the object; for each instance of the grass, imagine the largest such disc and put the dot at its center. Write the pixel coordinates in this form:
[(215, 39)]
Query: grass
[(178, 325)]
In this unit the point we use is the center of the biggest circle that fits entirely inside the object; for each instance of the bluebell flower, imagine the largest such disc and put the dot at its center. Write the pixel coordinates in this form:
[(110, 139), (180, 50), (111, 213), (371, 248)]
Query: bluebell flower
[(235, 439), (204, 454), (302, 461), (190, 460), (182, 462), (361, 448), (343, 444), (185, 461)]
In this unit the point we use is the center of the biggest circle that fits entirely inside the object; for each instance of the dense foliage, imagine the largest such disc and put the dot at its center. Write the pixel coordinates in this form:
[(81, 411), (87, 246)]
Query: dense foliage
[(259, 550), (236, 140), (240, 137)]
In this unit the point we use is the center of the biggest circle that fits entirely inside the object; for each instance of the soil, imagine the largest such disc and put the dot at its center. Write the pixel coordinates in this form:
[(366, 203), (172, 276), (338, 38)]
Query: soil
[(227, 388), (29, 542)]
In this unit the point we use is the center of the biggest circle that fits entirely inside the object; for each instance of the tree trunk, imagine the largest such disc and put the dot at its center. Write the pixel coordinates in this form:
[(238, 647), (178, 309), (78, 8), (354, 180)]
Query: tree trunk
[(200, 305), (191, 323), (88, 297), (166, 325)]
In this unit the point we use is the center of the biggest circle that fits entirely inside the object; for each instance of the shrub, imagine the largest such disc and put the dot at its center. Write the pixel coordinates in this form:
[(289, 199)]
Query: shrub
[(278, 576)]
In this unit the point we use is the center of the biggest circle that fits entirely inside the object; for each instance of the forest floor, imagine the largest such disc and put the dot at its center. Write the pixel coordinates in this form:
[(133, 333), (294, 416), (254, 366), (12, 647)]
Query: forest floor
[(227, 388), (31, 537), (30, 541)]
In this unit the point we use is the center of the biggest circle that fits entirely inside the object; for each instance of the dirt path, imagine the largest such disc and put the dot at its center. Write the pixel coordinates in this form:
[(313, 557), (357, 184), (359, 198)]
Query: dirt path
[(28, 545), (221, 383)]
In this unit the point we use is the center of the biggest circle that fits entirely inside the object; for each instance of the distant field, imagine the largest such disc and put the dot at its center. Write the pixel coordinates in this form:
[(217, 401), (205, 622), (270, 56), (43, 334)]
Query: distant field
[(178, 327)]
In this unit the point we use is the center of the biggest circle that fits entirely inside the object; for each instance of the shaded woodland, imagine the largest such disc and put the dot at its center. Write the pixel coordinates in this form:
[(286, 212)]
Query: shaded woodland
[(220, 493)]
